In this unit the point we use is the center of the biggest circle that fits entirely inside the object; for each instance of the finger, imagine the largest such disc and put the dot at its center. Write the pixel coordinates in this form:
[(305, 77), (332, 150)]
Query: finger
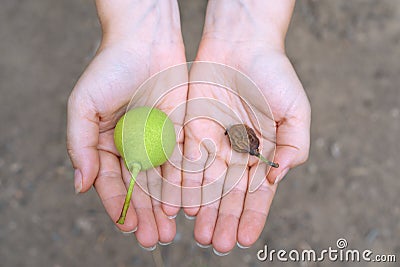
[(293, 143), (165, 226), (171, 183), (82, 140), (154, 182), (111, 189), (146, 233), (230, 210), (254, 215), (205, 223), (195, 157), (106, 142), (212, 187), (258, 174), (174, 104)]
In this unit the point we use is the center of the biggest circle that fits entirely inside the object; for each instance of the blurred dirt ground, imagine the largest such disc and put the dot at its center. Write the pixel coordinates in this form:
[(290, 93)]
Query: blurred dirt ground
[(347, 56)]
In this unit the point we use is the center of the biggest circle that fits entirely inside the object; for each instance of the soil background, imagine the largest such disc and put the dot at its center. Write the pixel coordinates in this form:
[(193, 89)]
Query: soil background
[(347, 54)]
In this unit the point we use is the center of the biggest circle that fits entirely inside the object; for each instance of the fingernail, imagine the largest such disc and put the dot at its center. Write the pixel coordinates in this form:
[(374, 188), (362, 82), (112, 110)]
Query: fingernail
[(149, 248), (172, 216), (202, 246), (78, 181), (164, 244), (129, 232), (241, 246), (281, 176), (220, 253), (190, 217)]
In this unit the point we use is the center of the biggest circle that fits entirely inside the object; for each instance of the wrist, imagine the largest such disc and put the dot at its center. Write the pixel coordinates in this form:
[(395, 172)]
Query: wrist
[(247, 21), (147, 21)]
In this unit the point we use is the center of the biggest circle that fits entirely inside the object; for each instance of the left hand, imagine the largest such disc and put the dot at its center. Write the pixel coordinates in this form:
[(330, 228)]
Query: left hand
[(230, 213)]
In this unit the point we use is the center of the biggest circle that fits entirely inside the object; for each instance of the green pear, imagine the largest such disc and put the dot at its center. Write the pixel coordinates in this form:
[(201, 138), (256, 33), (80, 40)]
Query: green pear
[(145, 138)]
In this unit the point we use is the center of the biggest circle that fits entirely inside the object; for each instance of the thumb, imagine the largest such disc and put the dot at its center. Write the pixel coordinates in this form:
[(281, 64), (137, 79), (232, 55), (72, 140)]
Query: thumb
[(293, 142), (82, 140)]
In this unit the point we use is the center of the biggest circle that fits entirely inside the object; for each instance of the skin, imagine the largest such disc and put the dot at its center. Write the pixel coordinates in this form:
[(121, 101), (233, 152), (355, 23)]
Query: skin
[(259, 52), (123, 62), (141, 38)]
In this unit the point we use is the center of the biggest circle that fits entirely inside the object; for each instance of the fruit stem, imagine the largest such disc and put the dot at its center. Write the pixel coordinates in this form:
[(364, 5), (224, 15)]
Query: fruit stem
[(134, 170), (270, 163)]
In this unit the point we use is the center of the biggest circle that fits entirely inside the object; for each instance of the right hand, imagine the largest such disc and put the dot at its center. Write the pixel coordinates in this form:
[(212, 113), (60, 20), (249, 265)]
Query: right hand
[(129, 54)]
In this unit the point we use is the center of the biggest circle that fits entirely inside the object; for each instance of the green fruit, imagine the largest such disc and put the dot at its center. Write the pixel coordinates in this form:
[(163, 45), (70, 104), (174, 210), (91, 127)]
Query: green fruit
[(145, 138)]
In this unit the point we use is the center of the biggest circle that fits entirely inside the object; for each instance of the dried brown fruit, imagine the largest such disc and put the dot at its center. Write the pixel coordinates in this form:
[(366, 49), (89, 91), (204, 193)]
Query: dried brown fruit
[(244, 140)]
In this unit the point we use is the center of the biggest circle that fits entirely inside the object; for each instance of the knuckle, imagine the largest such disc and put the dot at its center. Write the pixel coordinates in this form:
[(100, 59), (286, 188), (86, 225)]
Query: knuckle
[(109, 175)]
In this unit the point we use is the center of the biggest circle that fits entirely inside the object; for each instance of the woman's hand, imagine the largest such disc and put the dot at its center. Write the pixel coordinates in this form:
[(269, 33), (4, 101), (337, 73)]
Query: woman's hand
[(247, 38), (136, 45)]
